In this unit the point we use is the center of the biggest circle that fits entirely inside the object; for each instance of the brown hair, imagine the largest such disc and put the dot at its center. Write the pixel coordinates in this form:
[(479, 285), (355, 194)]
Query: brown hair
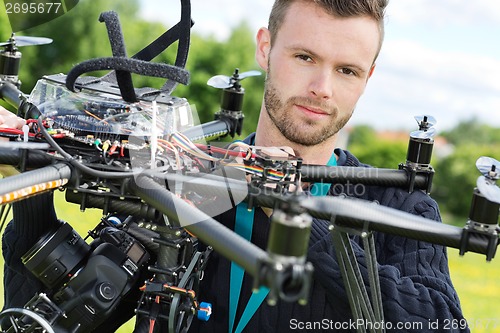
[(340, 8)]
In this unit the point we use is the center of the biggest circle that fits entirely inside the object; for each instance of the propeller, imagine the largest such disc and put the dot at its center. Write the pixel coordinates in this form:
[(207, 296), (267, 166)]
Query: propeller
[(224, 81), (486, 184), (425, 127), (26, 41)]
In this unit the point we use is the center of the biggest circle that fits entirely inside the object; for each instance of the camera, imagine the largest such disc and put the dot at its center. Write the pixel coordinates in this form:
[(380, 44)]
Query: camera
[(86, 281)]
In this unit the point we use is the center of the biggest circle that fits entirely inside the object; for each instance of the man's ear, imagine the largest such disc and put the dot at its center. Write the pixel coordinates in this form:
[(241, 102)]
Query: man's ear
[(371, 70), (263, 47)]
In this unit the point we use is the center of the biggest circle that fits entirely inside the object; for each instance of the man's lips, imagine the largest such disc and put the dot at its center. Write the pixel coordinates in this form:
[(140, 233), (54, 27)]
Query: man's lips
[(312, 111)]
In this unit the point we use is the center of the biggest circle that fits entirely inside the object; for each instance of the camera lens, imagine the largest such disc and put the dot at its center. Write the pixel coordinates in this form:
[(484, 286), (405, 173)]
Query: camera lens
[(56, 256)]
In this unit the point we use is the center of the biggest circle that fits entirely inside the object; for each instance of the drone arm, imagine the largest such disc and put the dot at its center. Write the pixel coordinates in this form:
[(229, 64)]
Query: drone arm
[(232, 246), (276, 274), (407, 287), (15, 157), (33, 182), (366, 176), (11, 94), (208, 131), (366, 215)]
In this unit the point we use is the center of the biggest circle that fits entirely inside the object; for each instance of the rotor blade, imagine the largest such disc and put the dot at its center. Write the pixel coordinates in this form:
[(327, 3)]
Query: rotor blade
[(488, 167), (248, 74), (28, 40), (488, 189), (430, 120), (220, 81), (423, 134)]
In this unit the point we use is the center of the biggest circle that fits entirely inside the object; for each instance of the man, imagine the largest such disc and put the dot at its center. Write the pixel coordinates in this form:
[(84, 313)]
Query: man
[(318, 56)]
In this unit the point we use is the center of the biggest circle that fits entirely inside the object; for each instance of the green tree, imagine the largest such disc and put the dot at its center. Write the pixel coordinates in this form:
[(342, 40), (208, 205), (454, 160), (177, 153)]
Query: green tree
[(362, 135), (456, 177), (77, 36), (472, 131), (456, 174), (380, 153), (209, 57)]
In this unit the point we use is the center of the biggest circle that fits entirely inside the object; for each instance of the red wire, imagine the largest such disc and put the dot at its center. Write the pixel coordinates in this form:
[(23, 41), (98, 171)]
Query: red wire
[(6, 130), (152, 321), (219, 150)]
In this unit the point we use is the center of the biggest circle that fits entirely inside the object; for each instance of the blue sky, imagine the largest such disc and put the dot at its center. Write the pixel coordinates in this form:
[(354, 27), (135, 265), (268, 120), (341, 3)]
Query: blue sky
[(440, 57)]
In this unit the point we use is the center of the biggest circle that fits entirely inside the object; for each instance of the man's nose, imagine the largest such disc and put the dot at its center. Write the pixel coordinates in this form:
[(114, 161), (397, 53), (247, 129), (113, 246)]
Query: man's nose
[(322, 84)]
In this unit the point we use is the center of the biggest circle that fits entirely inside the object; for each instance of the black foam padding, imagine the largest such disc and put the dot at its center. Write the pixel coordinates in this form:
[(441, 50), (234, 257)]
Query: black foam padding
[(115, 35), (110, 18), (127, 64)]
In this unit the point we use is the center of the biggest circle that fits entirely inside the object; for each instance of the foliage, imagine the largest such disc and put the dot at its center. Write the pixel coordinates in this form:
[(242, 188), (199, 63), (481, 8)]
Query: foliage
[(362, 135), (472, 131), (76, 36), (209, 57), (456, 176), (365, 145)]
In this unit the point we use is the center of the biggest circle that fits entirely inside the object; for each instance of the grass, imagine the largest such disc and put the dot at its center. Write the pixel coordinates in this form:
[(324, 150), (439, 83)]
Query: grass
[(475, 280)]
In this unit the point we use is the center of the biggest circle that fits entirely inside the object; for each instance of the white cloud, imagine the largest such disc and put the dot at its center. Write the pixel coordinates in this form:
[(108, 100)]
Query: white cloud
[(412, 79), (216, 17), (444, 12)]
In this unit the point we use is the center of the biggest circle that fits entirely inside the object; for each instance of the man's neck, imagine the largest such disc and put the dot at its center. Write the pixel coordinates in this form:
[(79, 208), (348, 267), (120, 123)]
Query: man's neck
[(268, 135)]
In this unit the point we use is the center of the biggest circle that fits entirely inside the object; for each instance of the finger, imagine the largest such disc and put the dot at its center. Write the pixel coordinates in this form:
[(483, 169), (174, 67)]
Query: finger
[(19, 123), (8, 121)]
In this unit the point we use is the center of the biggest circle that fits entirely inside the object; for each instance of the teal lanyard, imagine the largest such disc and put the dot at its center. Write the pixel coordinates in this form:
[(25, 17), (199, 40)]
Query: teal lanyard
[(320, 189), (243, 227)]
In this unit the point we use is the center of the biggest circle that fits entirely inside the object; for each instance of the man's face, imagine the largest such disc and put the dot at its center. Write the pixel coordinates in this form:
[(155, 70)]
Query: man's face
[(317, 68)]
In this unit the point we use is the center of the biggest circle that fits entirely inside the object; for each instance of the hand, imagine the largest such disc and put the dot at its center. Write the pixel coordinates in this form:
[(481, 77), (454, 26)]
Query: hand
[(10, 120), (278, 153)]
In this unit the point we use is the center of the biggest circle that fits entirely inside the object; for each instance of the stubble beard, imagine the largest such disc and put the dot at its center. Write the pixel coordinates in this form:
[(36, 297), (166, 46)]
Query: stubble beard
[(306, 133)]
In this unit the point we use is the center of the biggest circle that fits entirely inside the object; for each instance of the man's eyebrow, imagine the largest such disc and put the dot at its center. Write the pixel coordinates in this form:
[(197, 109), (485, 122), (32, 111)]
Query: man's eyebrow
[(358, 68), (301, 49)]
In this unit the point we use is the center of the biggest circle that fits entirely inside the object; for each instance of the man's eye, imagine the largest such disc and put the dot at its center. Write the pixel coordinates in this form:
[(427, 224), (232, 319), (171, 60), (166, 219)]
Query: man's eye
[(304, 57), (347, 71)]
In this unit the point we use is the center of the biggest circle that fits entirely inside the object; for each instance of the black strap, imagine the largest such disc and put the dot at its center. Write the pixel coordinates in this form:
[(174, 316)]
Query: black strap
[(129, 65), (115, 35), (181, 32), (185, 25), (140, 62)]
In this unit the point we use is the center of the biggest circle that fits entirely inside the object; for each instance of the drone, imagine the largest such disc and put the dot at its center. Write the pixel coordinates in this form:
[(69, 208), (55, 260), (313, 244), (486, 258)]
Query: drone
[(136, 154)]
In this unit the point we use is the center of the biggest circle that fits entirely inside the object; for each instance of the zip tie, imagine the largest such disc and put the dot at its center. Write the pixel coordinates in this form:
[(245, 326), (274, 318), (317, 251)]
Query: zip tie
[(26, 130)]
